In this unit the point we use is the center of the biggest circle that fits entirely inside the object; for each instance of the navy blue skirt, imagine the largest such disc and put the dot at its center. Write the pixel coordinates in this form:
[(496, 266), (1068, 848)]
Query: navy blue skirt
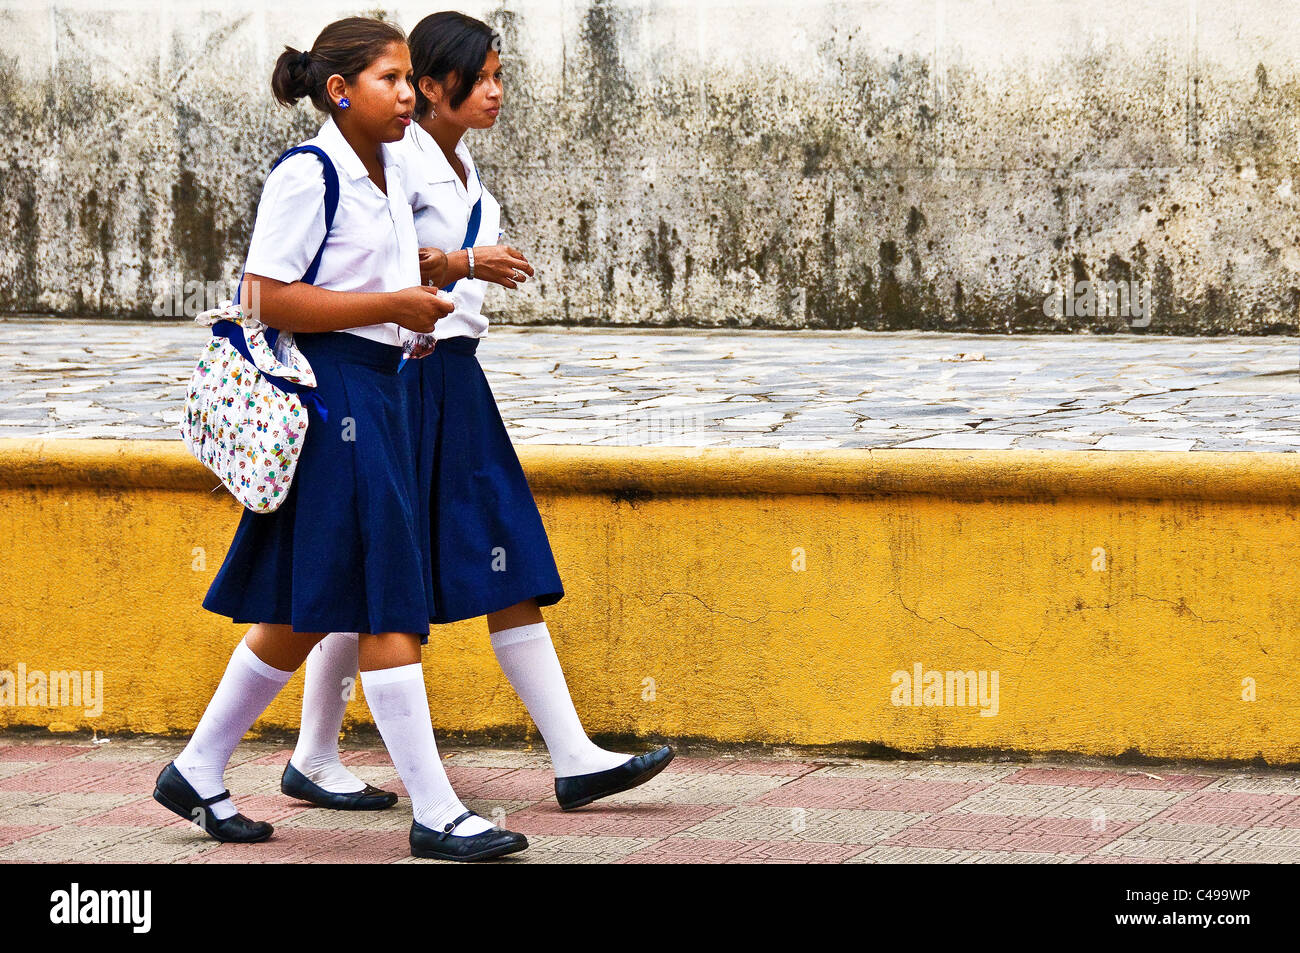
[(488, 547), (348, 549)]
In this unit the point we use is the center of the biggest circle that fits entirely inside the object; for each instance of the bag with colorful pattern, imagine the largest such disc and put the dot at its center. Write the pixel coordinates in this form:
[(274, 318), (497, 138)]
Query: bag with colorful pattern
[(244, 415), (241, 426)]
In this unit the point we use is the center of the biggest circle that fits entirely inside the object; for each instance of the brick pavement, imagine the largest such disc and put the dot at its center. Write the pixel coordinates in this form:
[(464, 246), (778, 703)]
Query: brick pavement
[(63, 801)]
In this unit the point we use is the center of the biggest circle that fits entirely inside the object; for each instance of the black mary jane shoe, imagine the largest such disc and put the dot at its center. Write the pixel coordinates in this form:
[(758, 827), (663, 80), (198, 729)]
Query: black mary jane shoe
[(298, 785), (176, 794), (580, 789), (440, 845)]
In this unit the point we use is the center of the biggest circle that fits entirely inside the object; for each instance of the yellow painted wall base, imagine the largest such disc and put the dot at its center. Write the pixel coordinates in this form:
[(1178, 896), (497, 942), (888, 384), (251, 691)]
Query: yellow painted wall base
[(1125, 601)]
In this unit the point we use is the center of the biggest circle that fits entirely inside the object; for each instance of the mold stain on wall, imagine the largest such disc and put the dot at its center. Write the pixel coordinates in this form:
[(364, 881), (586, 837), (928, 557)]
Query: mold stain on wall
[(852, 186)]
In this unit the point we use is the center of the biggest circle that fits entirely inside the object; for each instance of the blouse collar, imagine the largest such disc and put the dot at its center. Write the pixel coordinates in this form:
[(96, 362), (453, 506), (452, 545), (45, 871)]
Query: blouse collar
[(436, 167), (344, 156)]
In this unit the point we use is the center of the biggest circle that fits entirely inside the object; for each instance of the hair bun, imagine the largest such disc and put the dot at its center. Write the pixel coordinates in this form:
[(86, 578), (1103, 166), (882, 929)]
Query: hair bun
[(346, 47)]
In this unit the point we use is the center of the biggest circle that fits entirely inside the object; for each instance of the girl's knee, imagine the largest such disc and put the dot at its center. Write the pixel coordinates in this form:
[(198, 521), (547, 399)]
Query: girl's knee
[(280, 646), (387, 649)]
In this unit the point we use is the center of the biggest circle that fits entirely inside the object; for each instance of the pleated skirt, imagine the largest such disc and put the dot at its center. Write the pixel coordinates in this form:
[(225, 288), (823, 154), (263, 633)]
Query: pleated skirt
[(488, 547), (349, 548)]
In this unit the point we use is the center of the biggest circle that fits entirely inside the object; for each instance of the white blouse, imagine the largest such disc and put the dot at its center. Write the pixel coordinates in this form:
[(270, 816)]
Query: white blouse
[(442, 206), (372, 245)]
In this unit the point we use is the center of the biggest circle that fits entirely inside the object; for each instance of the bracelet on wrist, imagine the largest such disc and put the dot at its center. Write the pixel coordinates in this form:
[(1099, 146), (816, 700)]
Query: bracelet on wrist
[(471, 263)]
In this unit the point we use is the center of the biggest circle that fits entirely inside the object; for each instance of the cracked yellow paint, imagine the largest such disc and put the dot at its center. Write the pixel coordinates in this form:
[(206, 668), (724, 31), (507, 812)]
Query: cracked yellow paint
[(1128, 602)]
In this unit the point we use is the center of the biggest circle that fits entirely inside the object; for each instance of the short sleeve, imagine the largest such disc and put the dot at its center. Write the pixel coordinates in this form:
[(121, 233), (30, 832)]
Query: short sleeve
[(290, 224)]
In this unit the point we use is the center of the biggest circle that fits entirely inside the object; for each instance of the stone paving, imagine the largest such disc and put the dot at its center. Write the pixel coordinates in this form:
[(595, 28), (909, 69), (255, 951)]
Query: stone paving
[(64, 801), (785, 389)]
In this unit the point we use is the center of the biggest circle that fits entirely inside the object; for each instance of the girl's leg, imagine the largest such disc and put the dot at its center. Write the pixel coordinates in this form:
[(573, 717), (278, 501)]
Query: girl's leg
[(523, 647), (260, 666), (393, 679), (331, 673)]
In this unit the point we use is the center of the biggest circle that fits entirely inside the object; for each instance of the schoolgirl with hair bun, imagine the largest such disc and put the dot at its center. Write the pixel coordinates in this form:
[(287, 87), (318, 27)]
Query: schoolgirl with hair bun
[(490, 552), (346, 549)]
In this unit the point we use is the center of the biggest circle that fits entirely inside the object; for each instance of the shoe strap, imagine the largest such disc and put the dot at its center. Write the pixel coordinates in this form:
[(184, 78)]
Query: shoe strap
[(452, 825), (209, 801)]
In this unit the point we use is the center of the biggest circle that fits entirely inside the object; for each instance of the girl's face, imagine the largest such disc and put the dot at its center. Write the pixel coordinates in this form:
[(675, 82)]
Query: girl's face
[(481, 106), (381, 99)]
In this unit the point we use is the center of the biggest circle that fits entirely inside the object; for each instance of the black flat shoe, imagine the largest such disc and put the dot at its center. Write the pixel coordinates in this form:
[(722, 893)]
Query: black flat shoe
[(298, 785), (440, 845), (580, 789), (176, 794)]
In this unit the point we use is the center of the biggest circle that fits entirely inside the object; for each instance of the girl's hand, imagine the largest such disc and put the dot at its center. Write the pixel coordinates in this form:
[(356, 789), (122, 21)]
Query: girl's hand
[(419, 308), (502, 265), (433, 266)]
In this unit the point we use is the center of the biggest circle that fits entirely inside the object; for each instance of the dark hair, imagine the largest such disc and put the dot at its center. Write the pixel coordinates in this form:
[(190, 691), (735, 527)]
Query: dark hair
[(447, 43), (346, 47)]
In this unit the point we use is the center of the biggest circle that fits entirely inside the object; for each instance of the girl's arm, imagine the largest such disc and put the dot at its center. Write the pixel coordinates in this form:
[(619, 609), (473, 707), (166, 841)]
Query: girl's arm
[(296, 306)]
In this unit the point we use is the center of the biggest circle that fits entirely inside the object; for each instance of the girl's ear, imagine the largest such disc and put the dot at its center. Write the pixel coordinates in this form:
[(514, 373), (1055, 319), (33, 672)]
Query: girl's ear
[(336, 87), (431, 89)]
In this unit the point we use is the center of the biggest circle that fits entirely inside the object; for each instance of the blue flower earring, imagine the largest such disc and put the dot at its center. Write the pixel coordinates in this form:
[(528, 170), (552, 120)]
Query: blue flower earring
[(343, 103)]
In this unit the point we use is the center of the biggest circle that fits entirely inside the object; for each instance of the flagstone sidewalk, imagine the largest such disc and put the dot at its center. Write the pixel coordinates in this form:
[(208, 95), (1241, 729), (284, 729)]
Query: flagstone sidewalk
[(699, 388), (80, 801)]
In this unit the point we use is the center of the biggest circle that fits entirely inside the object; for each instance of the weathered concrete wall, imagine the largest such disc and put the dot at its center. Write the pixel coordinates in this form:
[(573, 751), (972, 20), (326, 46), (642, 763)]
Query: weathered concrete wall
[(926, 164)]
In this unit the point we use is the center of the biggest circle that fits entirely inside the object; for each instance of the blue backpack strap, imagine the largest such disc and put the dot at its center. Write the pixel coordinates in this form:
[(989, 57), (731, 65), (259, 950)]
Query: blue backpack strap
[(331, 206), (235, 334), (331, 200), (471, 231)]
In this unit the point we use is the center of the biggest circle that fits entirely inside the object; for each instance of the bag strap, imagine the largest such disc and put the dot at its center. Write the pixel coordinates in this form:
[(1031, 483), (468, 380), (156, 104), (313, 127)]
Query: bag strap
[(235, 333), (331, 200), (331, 206), (475, 217)]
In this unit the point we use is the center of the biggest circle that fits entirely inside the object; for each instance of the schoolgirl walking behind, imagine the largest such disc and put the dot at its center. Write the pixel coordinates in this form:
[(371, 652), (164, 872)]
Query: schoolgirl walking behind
[(490, 552), (346, 549)]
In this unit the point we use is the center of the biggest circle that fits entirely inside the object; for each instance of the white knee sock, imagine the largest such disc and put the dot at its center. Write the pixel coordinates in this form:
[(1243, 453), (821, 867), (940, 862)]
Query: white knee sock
[(401, 708), (246, 689), (331, 671), (527, 656)]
